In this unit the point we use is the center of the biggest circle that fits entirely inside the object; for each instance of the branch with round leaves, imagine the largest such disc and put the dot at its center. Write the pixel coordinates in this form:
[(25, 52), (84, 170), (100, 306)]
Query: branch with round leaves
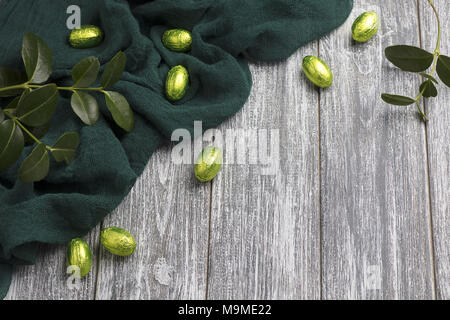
[(413, 59), (26, 119)]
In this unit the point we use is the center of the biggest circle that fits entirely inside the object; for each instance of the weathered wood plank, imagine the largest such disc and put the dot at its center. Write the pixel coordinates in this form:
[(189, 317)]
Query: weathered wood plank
[(47, 279), (375, 206), (168, 214), (438, 135), (265, 228)]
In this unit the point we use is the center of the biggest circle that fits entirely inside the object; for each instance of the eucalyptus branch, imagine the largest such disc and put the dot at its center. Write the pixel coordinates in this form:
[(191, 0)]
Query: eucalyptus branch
[(422, 114), (438, 42), (24, 129), (413, 59), (34, 103), (33, 86), (9, 88), (26, 85)]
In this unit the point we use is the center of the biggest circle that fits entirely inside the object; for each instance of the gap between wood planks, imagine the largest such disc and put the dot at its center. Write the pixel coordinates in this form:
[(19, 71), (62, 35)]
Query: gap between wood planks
[(320, 189), (430, 213)]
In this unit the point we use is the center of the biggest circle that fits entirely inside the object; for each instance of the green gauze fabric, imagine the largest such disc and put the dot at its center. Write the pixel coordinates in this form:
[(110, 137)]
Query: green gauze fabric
[(74, 199)]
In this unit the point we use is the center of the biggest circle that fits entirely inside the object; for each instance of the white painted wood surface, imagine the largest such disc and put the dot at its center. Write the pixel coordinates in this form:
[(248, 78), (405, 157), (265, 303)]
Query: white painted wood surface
[(265, 230), (48, 278), (168, 212), (361, 190), (438, 147), (376, 233)]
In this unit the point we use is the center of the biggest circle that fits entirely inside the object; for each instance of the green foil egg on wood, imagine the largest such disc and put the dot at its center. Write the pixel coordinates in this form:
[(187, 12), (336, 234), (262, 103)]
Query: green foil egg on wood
[(79, 254), (87, 36), (317, 71), (208, 164), (177, 83), (178, 40), (118, 241), (365, 26)]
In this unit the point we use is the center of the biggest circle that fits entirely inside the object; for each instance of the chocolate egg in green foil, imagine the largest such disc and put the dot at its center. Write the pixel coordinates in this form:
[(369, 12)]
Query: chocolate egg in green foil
[(317, 71), (177, 82), (87, 36), (178, 40), (365, 26), (208, 164), (118, 241), (79, 255)]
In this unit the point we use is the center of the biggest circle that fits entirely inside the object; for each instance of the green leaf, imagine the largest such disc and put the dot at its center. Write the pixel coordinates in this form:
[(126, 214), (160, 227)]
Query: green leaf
[(409, 58), (25, 92), (38, 132), (11, 111), (64, 149), (113, 70), (37, 58), (35, 167), (443, 69), (11, 143), (430, 89), (85, 107), (397, 100), (423, 74), (11, 107), (2, 116), (11, 77), (85, 72), (13, 104), (120, 110), (37, 107)]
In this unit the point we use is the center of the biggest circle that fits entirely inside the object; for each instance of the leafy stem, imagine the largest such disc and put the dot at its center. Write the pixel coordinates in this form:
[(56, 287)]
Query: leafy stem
[(34, 86), (14, 87), (24, 129), (26, 85), (422, 114), (438, 43), (99, 89), (436, 54), (34, 102), (414, 59)]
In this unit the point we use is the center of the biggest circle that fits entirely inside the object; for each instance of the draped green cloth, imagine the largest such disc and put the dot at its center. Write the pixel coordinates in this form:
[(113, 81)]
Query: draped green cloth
[(74, 199)]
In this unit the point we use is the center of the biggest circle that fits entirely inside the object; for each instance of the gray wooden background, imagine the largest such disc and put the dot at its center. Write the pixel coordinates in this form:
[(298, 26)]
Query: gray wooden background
[(358, 208)]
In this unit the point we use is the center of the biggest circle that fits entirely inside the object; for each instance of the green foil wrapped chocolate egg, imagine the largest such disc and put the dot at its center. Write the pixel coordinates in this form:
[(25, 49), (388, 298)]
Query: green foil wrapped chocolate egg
[(178, 40), (317, 71), (87, 36), (365, 26), (208, 164), (177, 82), (118, 241), (79, 255)]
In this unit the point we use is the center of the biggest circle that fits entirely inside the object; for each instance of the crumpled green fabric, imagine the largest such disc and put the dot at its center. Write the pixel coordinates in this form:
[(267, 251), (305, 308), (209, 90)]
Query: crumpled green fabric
[(74, 199)]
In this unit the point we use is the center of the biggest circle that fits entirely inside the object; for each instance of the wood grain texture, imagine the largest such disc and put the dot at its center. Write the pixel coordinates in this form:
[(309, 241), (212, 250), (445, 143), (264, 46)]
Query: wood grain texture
[(47, 279), (361, 188), (438, 138), (168, 214), (374, 206), (265, 228)]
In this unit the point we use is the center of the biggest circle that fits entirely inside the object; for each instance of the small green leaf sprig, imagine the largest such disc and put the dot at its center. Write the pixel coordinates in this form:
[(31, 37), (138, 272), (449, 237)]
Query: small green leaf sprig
[(413, 59), (26, 119)]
